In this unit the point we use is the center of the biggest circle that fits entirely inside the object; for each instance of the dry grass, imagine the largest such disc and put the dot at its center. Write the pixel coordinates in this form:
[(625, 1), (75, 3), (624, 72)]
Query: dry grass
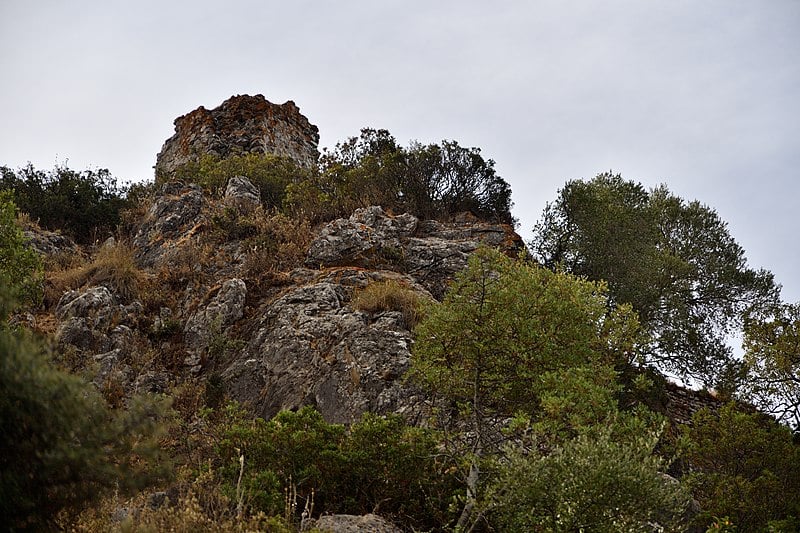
[(113, 266), (390, 295)]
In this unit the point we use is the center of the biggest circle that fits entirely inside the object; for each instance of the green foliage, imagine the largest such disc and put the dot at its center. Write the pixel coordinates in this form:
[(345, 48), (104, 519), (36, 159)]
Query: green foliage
[(430, 181), (505, 324), (20, 266), (379, 465), (743, 466), (62, 446), (269, 173), (772, 353), (592, 483), (84, 205), (673, 261), (512, 337)]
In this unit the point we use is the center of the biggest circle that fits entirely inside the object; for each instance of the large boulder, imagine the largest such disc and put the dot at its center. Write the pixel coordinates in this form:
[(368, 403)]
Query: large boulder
[(240, 125)]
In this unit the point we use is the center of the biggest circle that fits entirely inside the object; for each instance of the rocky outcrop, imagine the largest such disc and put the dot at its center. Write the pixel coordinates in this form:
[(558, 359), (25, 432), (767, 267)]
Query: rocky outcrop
[(431, 252), (310, 346), (242, 195), (171, 221), (48, 242), (242, 124)]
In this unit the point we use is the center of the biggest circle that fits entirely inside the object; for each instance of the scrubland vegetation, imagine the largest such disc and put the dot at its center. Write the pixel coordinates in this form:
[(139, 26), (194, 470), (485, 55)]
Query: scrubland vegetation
[(539, 369)]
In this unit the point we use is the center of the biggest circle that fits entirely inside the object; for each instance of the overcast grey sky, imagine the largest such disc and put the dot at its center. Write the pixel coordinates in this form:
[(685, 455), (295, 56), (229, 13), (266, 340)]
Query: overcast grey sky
[(703, 95)]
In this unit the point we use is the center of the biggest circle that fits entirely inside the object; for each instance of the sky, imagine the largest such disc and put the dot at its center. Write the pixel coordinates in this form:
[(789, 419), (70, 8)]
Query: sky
[(703, 95)]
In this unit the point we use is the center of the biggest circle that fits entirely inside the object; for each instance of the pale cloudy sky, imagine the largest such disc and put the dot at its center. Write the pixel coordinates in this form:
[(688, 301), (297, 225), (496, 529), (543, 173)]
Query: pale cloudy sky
[(702, 95)]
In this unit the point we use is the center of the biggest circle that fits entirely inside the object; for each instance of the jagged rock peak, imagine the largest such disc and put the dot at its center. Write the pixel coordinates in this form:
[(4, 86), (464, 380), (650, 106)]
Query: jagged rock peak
[(241, 124)]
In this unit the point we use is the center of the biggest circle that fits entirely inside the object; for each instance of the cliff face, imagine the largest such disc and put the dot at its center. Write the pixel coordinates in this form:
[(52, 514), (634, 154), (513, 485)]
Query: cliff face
[(240, 125)]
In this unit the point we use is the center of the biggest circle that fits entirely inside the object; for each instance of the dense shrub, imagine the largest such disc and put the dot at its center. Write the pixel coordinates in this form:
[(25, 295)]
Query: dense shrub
[(84, 205), (744, 466), (378, 465), (62, 446), (591, 483), (20, 267), (269, 173), (430, 181)]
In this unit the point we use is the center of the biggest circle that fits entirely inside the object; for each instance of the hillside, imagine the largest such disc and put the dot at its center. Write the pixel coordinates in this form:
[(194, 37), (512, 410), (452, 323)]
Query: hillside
[(286, 304)]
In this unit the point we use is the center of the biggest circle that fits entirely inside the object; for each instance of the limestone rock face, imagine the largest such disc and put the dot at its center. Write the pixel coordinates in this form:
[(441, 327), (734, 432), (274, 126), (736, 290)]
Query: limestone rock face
[(173, 217), (431, 252), (225, 308), (242, 124), (48, 242), (311, 347)]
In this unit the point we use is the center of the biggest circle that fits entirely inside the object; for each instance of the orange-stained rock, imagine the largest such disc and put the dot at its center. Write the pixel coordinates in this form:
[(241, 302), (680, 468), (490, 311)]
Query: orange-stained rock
[(240, 125)]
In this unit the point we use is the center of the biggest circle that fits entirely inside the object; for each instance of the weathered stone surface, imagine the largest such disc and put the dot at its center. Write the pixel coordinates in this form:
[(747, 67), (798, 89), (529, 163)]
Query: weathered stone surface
[(48, 242), (431, 252), (343, 523), (225, 308), (242, 124), (96, 303), (242, 195), (172, 219), (311, 347)]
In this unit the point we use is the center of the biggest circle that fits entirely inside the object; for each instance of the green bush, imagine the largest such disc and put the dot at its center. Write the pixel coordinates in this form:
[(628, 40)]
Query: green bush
[(84, 205), (379, 465), (62, 446), (269, 173), (743, 466), (591, 483), (20, 266)]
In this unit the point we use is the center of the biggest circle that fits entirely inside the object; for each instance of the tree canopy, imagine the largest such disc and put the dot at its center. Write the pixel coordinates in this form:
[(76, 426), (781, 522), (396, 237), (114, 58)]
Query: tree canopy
[(674, 261), (772, 354), (85, 205)]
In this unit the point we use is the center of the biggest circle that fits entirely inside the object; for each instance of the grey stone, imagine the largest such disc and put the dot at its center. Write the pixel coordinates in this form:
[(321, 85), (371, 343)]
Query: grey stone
[(242, 195), (225, 308), (311, 347), (343, 523), (174, 215)]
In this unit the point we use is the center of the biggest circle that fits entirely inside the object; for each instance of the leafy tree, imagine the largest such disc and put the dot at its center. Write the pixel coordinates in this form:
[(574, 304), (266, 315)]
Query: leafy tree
[(772, 352), (592, 483), (62, 446), (673, 261), (430, 181), (506, 335), (744, 466), (84, 205), (20, 266)]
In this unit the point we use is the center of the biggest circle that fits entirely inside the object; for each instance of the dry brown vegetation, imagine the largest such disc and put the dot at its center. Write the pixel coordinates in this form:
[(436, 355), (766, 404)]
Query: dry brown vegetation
[(112, 266), (390, 295)]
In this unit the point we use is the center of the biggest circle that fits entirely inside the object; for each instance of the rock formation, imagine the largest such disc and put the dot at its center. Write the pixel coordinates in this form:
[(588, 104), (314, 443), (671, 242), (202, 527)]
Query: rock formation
[(240, 125)]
